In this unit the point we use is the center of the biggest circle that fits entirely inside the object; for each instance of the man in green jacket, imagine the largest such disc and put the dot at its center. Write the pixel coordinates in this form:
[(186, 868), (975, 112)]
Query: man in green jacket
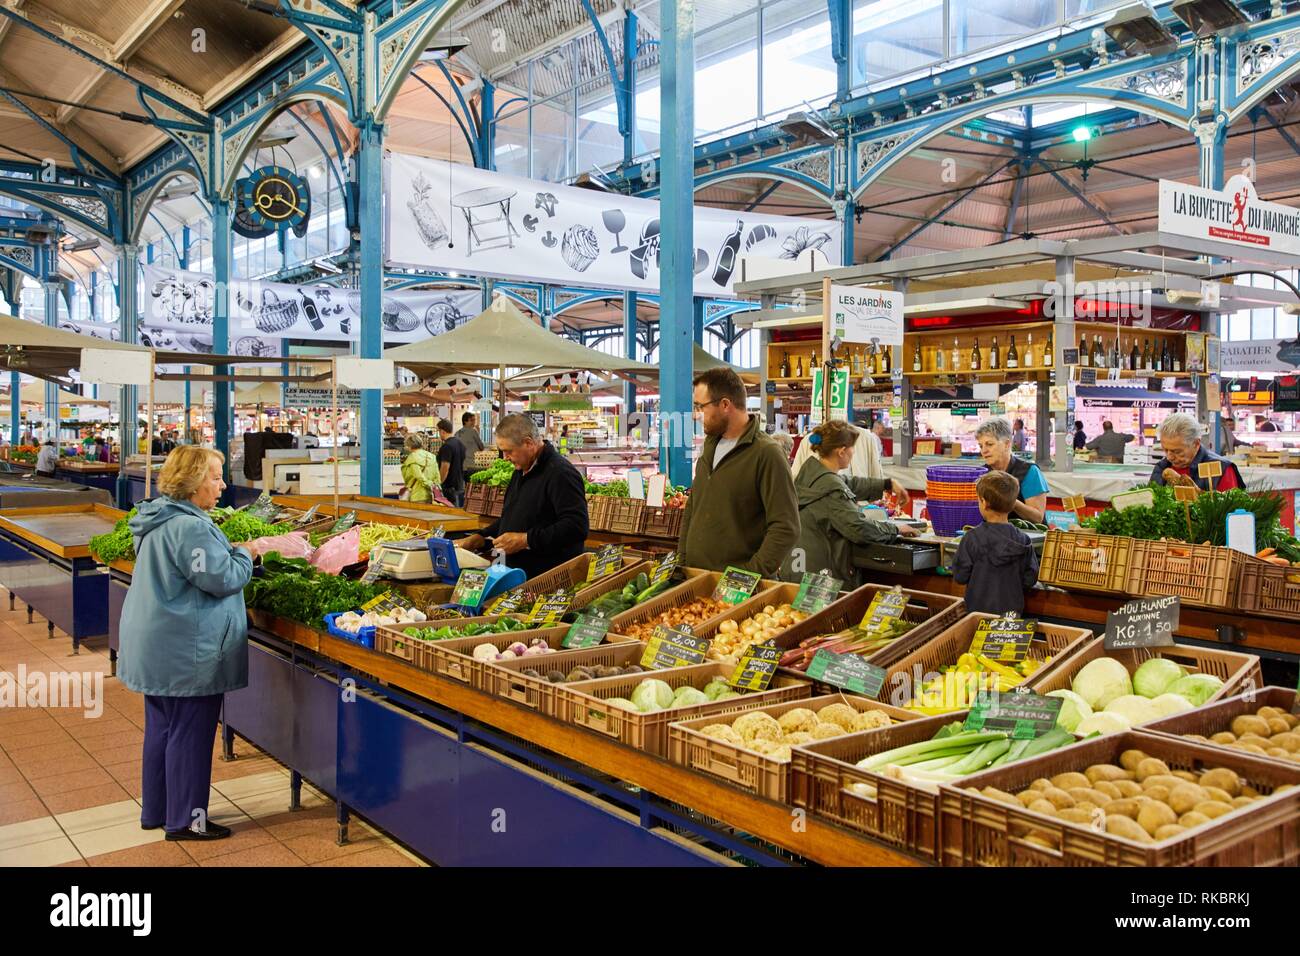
[(742, 511)]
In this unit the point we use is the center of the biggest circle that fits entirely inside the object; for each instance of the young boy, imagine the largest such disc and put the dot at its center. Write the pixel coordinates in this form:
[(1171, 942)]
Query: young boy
[(995, 560)]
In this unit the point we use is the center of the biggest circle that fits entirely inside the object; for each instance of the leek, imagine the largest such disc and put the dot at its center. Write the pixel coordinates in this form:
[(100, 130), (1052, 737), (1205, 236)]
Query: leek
[(981, 757), (931, 748)]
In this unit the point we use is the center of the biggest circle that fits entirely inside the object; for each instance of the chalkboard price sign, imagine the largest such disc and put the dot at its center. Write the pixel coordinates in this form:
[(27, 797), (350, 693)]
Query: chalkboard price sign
[(756, 667), (588, 631), (1003, 639), (549, 609), (673, 648), (1146, 622), (815, 592), (607, 560), (469, 587), (736, 585)]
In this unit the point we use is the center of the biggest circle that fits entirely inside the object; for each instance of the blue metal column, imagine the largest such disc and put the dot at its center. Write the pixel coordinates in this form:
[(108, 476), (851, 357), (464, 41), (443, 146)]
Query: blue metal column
[(1211, 138), (15, 408), (221, 405), (629, 350), (677, 153), (629, 84), (51, 321), (370, 184), (697, 325), (841, 17), (184, 263), (128, 260), (848, 219), (487, 126)]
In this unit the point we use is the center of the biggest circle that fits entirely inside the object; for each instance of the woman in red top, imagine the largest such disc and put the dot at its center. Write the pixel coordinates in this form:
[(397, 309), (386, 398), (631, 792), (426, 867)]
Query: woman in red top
[(1180, 437)]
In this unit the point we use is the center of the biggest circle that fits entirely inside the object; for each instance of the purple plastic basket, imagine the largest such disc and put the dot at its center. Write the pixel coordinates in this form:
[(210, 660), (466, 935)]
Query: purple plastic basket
[(949, 517), (955, 473)]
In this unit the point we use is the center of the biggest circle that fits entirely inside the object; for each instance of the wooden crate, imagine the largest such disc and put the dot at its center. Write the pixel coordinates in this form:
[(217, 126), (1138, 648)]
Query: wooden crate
[(698, 584), (573, 574), (599, 508), (627, 515), (664, 522), (1269, 589)]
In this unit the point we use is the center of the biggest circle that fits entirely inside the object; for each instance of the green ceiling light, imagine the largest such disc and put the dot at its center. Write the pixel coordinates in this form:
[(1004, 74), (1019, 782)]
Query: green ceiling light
[(1082, 134)]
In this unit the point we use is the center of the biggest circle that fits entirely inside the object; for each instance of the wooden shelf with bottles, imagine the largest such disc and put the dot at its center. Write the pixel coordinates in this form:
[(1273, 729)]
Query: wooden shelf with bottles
[(936, 346), (856, 358), (1150, 345)]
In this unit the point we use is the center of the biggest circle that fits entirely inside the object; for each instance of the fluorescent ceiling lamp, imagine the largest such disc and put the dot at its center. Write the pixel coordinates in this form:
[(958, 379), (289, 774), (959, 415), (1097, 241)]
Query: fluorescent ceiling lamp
[(1137, 29), (324, 265), (807, 125), (1205, 17), (82, 245), (961, 306), (444, 45), (271, 140), (179, 191)]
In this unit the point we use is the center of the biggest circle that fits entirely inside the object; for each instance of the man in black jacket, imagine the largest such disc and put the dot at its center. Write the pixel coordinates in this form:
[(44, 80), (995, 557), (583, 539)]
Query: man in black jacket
[(544, 519)]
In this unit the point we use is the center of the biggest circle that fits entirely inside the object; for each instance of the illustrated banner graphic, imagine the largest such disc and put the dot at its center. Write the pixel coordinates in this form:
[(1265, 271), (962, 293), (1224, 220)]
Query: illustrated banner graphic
[(456, 218)]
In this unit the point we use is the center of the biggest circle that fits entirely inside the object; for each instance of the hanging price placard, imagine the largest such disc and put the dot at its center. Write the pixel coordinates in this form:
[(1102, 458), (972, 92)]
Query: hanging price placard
[(1075, 503), (470, 587), (587, 631), (885, 605), (607, 560), (388, 601), (849, 672), (1003, 639), (263, 507), (815, 592), (509, 602), (736, 585), (1022, 715), (1209, 469), (668, 647), (756, 667), (665, 568), (1186, 493), (549, 609)]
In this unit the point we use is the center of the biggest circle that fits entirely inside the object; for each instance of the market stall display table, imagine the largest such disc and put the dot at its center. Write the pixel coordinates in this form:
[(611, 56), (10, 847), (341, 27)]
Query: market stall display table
[(45, 562), (91, 474), (386, 511)]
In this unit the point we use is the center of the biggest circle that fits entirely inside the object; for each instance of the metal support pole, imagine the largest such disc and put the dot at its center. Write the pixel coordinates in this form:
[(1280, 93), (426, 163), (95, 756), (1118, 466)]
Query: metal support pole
[(629, 84), (1063, 339), (677, 111), (128, 261), (697, 324), (768, 401), (1043, 426), (15, 409), (1211, 136), (629, 350), (848, 219), (487, 126), (370, 180), (184, 263), (903, 443), (221, 403), (51, 388)]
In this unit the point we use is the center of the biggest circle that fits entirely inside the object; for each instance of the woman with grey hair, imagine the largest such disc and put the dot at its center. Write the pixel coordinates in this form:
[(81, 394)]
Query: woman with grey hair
[(786, 441), (1180, 440), (994, 437)]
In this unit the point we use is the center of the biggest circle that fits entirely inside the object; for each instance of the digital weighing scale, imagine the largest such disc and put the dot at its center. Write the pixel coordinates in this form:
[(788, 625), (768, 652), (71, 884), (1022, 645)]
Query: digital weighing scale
[(413, 560)]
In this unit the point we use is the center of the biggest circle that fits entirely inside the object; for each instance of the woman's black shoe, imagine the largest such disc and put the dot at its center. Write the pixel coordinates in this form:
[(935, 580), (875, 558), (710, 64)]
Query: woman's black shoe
[(156, 826), (214, 831)]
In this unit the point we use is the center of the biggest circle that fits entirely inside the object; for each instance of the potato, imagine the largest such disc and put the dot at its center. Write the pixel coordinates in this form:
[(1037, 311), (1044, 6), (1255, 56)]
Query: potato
[(1254, 748), (1250, 724), (1043, 806), (1284, 788), (1247, 740), (1168, 831), (1267, 712), (1150, 767), (1104, 771), (1239, 802), (1090, 795), (1064, 781), (1192, 819), (1223, 737), (1127, 788), (1058, 797), (1186, 775), (1186, 796), (1159, 793), (1292, 720), (1217, 794), (1222, 778), (1248, 791), (1278, 752), (1108, 788), (1213, 809), (1278, 726), (1153, 815), (1026, 797), (1042, 783), (993, 793), (1166, 780), (1287, 741), (1122, 826), (1130, 759), (1123, 808), (1075, 815), (1086, 806), (1201, 737)]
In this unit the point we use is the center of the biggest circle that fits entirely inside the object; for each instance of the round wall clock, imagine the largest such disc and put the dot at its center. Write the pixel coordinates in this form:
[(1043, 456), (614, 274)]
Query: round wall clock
[(276, 198)]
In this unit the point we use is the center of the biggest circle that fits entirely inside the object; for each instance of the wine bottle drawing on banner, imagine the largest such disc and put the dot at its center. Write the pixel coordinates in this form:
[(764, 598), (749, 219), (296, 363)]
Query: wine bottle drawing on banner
[(727, 256), (309, 309)]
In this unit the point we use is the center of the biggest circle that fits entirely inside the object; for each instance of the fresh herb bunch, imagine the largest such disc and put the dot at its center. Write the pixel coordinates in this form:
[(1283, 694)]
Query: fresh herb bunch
[(612, 489), (447, 632), (1168, 517), (116, 543), (292, 588), (498, 474), (235, 525)]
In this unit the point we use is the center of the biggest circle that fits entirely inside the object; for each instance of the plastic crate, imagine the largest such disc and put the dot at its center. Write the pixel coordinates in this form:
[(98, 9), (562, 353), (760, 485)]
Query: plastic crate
[(1084, 561), (931, 612), (504, 678), (955, 473), (978, 831), (496, 502), (1200, 574), (1237, 671), (476, 494), (950, 517), (365, 636), (773, 594), (905, 675), (598, 512), (627, 515), (573, 574), (583, 703), (394, 642), (748, 769), (698, 584), (664, 522), (1212, 718), (902, 814), (1269, 589)]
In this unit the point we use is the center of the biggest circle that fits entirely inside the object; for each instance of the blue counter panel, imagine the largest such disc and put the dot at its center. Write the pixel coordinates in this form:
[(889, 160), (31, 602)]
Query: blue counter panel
[(316, 729), (117, 589)]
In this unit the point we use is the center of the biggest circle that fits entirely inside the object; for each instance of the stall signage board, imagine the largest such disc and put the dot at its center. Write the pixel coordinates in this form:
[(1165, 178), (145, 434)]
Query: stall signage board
[(1022, 715), (849, 672), (470, 587), (296, 396), (736, 585), (1064, 520), (1146, 622), (1234, 214), (559, 402), (668, 647), (815, 592), (1070, 356), (756, 667), (1087, 376), (885, 605), (866, 315), (1209, 469), (607, 560), (550, 608), (1286, 394), (665, 568), (588, 631), (839, 395), (1003, 639)]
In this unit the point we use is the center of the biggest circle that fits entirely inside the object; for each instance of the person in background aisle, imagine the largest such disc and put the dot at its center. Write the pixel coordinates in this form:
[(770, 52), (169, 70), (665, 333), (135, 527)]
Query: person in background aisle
[(1180, 438), (878, 436), (451, 464), (830, 523), (102, 452), (742, 510), (468, 434), (1228, 437), (544, 518), (866, 461), (47, 459), (786, 442), (419, 471), (1109, 445), (1019, 440), (996, 560), (1080, 439), (994, 437)]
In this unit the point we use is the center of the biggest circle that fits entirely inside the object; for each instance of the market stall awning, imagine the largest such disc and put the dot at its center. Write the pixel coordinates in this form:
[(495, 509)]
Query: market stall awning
[(502, 336), (38, 350), (33, 393)]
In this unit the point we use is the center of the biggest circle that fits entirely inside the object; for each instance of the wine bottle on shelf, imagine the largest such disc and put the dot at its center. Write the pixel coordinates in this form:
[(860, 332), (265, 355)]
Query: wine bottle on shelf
[(1029, 351), (938, 359), (1176, 363), (785, 365), (886, 360), (916, 356), (1048, 357), (1166, 357), (1146, 355), (1085, 357), (995, 357), (1099, 355), (975, 356), (798, 366), (1133, 357), (1013, 357), (1157, 358), (956, 357), (1114, 354), (857, 363), (812, 362)]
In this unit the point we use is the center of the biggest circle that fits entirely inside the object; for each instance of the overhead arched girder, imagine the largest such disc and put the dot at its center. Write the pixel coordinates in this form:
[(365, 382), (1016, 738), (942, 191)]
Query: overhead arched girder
[(142, 202), (717, 310), (814, 170), (11, 283), (76, 205), (461, 116), (397, 44), (237, 141), (1260, 61), (394, 281), (572, 298), (24, 257)]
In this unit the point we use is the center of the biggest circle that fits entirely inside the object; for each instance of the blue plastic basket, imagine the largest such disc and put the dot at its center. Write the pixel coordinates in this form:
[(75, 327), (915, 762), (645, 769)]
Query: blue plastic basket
[(949, 517), (365, 637), (955, 473)]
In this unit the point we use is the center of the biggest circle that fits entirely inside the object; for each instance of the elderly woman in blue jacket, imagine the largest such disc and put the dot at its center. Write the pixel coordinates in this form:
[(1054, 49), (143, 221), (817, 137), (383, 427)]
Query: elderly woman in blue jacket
[(184, 638)]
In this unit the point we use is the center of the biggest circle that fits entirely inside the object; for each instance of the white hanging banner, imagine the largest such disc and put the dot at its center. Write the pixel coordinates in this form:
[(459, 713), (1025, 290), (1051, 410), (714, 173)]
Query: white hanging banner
[(866, 315), (116, 367), (1235, 215), (457, 218)]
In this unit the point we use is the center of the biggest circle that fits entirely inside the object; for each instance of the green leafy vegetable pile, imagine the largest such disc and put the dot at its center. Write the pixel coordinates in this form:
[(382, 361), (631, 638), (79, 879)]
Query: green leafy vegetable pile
[(292, 588), (235, 525), (613, 489), (503, 626), (497, 475), (116, 543)]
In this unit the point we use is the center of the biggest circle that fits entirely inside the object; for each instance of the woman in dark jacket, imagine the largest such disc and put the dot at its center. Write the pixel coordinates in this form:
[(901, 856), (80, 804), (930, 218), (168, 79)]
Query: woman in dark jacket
[(829, 520)]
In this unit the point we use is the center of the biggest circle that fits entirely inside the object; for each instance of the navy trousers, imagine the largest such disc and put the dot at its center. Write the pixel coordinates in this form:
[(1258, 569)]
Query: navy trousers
[(178, 736)]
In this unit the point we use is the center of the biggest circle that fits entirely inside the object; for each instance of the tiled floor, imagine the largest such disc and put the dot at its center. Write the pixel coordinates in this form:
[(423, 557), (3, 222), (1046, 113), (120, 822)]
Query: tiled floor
[(70, 784)]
